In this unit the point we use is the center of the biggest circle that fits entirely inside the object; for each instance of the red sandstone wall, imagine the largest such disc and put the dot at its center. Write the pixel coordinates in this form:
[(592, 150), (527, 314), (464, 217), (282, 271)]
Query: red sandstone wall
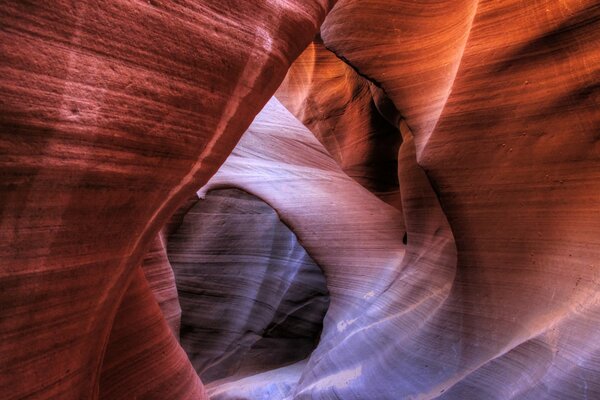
[(112, 114)]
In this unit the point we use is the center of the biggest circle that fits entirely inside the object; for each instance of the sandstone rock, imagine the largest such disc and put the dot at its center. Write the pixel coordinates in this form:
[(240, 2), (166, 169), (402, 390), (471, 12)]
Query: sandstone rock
[(380, 290), (252, 299), (159, 275), (342, 109), (112, 114), (439, 161)]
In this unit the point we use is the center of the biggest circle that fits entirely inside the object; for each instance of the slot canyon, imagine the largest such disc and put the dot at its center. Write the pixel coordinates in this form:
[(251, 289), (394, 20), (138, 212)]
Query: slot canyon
[(300, 199)]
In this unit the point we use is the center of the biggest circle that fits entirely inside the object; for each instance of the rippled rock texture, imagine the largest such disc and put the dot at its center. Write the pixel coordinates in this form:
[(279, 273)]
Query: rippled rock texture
[(112, 114), (429, 169)]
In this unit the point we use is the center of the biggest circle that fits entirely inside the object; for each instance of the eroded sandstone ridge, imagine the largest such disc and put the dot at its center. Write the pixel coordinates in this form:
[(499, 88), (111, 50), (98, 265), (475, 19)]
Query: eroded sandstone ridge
[(395, 199)]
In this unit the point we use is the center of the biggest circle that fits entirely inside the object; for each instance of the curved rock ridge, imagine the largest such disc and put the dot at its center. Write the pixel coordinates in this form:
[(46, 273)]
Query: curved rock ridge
[(413, 49), (380, 291), (112, 113), (506, 123), (301, 181), (252, 299), (143, 347), (344, 111), (159, 275), (410, 322), (159, 272)]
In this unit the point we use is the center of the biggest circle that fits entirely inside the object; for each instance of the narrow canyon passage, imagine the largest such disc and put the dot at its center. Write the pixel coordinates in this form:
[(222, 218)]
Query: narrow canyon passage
[(300, 199)]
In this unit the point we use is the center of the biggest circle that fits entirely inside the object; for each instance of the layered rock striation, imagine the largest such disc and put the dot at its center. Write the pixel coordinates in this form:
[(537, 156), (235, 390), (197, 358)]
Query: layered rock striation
[(252, 298), (112, 114), (414, 214)]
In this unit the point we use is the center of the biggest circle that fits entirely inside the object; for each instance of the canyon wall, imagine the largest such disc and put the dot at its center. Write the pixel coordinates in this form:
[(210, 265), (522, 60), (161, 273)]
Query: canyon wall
[(112, 114), (415, 213)]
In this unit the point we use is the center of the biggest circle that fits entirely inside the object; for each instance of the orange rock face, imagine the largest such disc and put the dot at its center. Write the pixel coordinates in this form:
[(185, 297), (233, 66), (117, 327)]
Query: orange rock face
[(345, 113), (437, 162)]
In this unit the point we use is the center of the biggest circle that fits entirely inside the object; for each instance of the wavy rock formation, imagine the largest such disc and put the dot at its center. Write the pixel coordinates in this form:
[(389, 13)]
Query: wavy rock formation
[(380, 291), (349, 115), (427, 175), (413, 50), (513, 154), (112, 114)]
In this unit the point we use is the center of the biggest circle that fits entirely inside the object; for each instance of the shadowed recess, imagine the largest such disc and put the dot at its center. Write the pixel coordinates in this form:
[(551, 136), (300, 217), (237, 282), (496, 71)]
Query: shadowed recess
[(252, 299)]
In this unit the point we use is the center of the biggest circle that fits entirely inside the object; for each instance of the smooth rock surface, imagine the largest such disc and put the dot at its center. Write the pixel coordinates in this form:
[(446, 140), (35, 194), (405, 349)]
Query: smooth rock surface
[(159, 275), (349, 115), (112, 114), (405, 322), (439, 161), (506, 123)]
